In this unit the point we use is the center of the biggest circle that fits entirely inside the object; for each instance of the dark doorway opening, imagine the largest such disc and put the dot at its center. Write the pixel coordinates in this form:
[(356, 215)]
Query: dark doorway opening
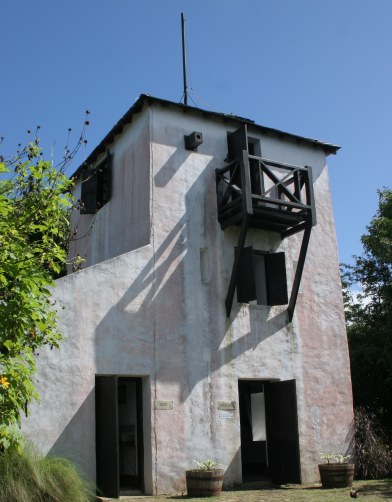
[(119, 435), (269, 431), (253, 431)]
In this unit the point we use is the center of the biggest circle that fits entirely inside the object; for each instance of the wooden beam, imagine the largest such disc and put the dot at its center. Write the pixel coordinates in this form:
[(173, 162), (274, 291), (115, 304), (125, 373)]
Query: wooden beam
[(298, 272), (293, 230), (310, 195), (237, 260), (245, 180)]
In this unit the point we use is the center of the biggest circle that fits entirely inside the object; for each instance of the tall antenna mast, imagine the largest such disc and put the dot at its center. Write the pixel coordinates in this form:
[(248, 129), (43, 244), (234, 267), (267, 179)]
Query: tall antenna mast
[(184, 59)]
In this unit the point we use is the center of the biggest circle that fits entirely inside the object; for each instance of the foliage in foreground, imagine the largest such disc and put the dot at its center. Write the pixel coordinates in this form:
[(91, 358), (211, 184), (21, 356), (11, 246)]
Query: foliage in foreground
[(35, 202), (369, 316), (30, 477)]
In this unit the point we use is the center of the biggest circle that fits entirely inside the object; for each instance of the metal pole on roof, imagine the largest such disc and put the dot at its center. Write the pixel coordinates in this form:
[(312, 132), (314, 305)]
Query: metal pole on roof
[(184, 59)]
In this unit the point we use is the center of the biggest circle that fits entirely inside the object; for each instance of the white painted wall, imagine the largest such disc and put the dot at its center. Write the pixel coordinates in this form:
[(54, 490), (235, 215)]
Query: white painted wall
[(151, 312), (123, 223)]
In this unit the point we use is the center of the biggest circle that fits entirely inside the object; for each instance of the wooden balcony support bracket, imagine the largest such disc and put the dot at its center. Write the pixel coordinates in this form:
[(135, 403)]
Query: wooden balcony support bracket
[(307, 227), (298, 272), (236, 266), (310, 195)]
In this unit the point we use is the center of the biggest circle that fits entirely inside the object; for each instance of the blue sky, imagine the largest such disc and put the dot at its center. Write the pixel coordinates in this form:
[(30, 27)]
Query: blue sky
[(321, 69)]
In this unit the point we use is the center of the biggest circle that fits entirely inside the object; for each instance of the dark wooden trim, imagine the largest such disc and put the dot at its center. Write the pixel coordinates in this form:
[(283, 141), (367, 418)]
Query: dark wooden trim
[(237, 259), (283, 165), (298, 272), (293, 230), (277, 181), (310, 195), (245, 179), (282, 431)]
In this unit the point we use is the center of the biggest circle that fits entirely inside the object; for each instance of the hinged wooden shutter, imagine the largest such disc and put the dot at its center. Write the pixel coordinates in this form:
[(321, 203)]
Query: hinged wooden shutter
[(275, 272), (237, 141), (246, 285), (89, 192), (104, 172)]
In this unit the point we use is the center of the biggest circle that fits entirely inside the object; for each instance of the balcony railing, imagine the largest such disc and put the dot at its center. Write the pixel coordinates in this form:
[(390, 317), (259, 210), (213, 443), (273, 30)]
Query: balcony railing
[(274, 195)]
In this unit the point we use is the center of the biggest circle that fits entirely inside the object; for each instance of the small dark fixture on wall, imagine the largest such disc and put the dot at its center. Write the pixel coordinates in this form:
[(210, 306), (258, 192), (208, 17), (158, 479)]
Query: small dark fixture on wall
[(193, 140), (96, 186)]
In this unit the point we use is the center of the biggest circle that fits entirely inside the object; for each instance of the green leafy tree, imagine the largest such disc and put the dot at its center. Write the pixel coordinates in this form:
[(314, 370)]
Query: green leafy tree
[(35, 201), (369, 315)]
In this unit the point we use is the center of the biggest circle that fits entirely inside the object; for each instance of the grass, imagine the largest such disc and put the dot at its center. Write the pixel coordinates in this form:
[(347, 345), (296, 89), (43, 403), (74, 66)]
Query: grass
[(30, 477), (371, 491)]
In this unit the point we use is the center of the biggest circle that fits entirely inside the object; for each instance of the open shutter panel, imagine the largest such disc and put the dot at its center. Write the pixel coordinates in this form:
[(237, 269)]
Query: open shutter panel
[(237, 141), (104, 172), (275, 271), (89, 192), (246, 286)]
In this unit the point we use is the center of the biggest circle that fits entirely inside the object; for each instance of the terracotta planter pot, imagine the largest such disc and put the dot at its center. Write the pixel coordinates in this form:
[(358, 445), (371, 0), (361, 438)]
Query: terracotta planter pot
[(204, 483), (336, 475)]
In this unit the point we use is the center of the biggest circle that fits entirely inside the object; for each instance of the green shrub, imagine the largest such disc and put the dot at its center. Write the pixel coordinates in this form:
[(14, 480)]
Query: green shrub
[(31, 477)]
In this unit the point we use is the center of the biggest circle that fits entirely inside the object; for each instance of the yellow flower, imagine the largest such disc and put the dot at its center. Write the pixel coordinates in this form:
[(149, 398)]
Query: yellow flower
[(4, 382)]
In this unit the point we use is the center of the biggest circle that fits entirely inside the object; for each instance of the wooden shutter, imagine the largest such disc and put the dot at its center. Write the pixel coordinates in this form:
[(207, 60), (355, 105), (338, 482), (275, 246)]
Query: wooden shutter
[(246, 285), (104, 173), (89, 192), (97, 186), (107, 437), (237, 141), (275, 271), (282, 432)]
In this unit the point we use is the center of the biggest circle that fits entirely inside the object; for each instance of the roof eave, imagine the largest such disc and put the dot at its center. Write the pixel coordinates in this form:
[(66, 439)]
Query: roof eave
[(144, 98)]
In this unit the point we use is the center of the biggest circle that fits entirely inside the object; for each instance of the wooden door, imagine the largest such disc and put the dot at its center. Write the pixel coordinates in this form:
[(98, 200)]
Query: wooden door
[(107, 447), (282, 432)]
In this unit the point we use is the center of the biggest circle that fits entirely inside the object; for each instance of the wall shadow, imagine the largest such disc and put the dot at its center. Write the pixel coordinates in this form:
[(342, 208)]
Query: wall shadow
[(171, 167), (160, 284), (79, 431)]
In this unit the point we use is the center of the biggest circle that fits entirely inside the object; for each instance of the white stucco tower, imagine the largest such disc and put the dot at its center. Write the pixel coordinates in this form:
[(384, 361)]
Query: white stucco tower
[(207, 320)]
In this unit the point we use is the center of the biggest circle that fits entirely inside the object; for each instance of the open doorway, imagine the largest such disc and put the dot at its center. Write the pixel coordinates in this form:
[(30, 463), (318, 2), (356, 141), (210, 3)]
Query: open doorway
[(119, 435), (253, 431), (269, 431)]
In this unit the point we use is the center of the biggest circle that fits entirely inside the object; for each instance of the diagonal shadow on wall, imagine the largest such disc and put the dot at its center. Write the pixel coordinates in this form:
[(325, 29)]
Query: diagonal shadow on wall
[(182, 341)]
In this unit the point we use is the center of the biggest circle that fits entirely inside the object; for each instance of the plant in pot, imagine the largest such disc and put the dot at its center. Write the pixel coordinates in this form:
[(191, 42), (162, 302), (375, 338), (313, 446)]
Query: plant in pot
[(337, 472), (205, 480)]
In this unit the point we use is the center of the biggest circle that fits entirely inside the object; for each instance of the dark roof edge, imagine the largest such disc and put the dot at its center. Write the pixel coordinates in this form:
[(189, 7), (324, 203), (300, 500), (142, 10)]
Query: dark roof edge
[(146, 99)]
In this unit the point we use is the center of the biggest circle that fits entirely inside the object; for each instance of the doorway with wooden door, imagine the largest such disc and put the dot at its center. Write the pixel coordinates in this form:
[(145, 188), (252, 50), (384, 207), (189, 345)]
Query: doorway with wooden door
[(119, 435), (269, 431)]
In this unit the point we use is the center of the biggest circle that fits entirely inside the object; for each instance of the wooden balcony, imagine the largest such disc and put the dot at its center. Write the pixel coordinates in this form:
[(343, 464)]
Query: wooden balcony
[(256, 192), (271, 195)]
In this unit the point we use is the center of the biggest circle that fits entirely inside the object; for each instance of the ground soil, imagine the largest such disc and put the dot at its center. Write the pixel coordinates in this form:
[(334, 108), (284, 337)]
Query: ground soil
[(371, 491)]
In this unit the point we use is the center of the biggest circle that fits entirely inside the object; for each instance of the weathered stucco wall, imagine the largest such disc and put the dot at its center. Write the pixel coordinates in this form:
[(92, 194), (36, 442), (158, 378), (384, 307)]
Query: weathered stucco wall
[(123, 223), (105, 315), (158, 312)]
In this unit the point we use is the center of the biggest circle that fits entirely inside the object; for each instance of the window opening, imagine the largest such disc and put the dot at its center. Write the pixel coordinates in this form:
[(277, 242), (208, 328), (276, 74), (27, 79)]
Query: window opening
[(96, 186), (262, 277)]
